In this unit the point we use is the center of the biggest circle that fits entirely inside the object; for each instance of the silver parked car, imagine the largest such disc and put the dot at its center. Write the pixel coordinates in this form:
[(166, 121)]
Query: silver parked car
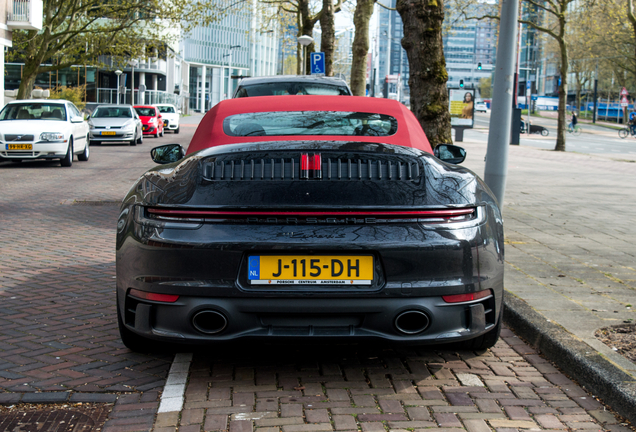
[(115, 123)]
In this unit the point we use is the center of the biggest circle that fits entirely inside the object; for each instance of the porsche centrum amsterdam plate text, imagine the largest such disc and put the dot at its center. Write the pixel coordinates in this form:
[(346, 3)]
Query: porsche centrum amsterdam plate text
[(310, 270)]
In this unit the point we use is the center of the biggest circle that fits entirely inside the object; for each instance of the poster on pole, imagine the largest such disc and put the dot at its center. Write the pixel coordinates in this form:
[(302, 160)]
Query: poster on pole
[(461, 106)]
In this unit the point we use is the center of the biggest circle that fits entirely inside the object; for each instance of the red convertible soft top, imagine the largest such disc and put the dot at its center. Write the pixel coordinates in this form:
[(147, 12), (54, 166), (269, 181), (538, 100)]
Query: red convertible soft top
[(210, 131)]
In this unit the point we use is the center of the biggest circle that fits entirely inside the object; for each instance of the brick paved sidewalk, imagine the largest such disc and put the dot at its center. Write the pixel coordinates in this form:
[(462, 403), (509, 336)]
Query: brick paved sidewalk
[(570, 240), (344, 388)]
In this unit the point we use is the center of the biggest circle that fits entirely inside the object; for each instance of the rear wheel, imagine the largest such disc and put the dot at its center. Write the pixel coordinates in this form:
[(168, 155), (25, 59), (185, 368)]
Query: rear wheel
[(623, 133), (85, 154), (545, 132), (577, 130), (67, 160)]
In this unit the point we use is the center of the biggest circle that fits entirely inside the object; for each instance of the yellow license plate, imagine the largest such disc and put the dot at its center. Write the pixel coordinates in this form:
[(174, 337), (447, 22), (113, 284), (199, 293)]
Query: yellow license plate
[(108, 133), (19, 146), (310, 270)]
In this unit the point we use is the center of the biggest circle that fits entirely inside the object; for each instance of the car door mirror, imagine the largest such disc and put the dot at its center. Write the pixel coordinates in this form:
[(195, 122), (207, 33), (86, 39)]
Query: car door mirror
[(77, 119), (179, 112), (167, 153), (450, 153)]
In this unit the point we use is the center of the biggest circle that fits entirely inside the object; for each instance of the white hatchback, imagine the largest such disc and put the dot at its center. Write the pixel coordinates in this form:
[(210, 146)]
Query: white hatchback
[(170, 116), (43, 129)]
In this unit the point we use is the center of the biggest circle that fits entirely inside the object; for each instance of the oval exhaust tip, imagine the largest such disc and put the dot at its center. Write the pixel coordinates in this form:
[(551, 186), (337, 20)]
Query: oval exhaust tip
[(209, 322), (412, 322)]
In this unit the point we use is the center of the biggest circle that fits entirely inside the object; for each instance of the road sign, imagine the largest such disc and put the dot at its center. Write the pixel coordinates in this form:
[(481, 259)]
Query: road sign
[(624, 92), (528, 84), (624, 101), (317, 63)]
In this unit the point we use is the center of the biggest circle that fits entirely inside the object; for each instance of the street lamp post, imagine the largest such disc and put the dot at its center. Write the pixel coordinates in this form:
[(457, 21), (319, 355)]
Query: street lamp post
[(305, 40), (118, 73), (229, 72), (132, 63)]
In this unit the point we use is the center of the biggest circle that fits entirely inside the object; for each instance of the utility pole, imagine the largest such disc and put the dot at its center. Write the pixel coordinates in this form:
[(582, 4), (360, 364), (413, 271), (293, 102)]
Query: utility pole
[(501, 114), (595, 93)]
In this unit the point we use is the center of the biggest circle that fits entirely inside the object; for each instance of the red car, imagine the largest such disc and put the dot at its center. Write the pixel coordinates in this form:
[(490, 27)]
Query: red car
[(151, 120)]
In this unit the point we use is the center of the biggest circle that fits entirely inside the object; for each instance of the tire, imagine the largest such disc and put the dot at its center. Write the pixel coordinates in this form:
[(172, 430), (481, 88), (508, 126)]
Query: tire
[(177, 130), (163, 131), (67, 160), (157, 133), (623, 133), (85, 154), (141, 139), (131, 340), (484, 341), (577, 131), (545, 132)]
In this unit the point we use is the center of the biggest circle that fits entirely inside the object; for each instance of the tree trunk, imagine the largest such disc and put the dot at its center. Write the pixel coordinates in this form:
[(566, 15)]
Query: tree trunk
[(563, 98), (306, 28), (328, 38), (34, 54), (422, 21), (360, 48)]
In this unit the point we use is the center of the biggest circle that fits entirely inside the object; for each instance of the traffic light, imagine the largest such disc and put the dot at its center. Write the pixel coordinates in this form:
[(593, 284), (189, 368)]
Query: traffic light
[(461, 83), (479, 65)]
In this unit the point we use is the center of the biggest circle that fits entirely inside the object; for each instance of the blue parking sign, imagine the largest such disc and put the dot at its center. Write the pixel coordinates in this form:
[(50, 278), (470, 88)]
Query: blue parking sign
[(317, 63)]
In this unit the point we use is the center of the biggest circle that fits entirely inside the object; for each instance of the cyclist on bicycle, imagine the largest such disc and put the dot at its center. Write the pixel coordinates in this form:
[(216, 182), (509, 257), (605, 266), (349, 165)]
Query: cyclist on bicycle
[(632, 123), (574, 121)]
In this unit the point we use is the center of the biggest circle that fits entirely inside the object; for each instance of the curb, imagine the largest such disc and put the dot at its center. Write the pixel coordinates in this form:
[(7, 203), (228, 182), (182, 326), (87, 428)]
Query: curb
[(579, 360)]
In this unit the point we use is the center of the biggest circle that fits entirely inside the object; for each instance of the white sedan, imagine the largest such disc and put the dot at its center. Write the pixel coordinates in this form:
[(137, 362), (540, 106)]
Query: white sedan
[(170, 116), (43, 129), (481, 106)]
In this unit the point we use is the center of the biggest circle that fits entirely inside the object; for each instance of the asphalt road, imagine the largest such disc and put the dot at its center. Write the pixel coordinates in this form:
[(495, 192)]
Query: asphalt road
[(593, 139)]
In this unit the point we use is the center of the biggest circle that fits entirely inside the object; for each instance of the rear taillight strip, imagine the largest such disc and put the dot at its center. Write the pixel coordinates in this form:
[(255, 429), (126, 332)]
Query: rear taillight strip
[(446, 213)]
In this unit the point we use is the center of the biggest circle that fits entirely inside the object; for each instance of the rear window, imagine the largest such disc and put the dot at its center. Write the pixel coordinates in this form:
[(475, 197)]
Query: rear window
[(286, 89), (310, 123), (146, 112)]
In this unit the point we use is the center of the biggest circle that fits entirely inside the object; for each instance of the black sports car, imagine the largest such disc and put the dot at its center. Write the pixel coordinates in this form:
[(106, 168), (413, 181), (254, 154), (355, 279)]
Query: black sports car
[(314, 217)]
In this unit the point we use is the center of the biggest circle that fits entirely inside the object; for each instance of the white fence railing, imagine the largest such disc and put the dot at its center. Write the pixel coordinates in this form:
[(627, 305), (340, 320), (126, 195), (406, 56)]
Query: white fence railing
[(150, 97), (19, 10)]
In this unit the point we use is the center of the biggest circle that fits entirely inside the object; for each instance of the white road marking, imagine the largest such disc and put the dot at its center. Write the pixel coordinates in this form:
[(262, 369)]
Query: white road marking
[(172, 397)]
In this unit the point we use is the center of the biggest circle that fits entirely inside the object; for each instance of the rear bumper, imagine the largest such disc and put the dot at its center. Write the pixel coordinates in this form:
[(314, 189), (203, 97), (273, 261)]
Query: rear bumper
[(310, 318)]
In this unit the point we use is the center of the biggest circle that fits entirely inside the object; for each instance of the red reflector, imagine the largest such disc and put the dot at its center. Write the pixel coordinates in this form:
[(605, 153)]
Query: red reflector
[(315, 162), (458, 298), (165, 298), (310, 166)]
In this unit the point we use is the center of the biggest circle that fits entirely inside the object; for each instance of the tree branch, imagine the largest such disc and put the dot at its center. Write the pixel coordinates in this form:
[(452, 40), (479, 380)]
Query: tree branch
[(541, 29)]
